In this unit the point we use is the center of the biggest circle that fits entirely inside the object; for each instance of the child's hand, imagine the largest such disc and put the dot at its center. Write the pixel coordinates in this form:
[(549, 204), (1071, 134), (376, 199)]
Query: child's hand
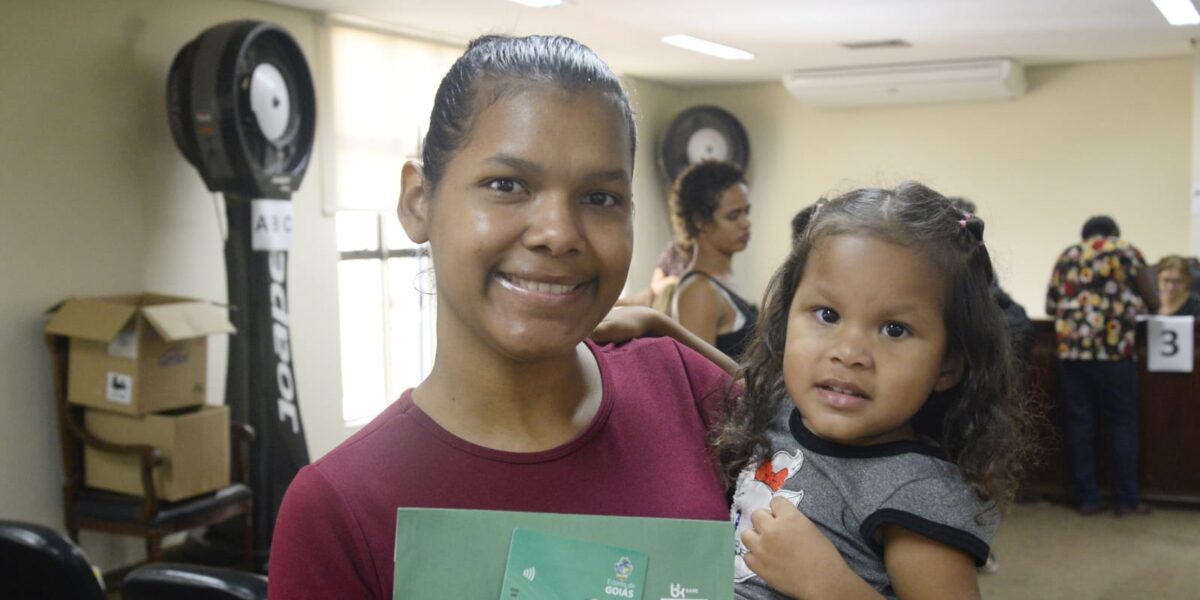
[(624, 323), (787, 550)]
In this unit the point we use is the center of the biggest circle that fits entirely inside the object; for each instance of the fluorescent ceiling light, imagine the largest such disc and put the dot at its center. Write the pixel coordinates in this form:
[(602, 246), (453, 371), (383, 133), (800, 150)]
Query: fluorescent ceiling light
[(1178, 12), (706, 47), (539, 3)]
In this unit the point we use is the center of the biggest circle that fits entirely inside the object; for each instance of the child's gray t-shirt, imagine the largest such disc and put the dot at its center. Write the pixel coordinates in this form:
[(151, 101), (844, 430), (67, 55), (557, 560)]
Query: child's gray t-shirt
[(850, 492)]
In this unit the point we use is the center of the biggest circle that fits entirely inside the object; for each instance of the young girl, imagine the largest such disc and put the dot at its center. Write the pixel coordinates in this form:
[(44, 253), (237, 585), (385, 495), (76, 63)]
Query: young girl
[(880, 403)]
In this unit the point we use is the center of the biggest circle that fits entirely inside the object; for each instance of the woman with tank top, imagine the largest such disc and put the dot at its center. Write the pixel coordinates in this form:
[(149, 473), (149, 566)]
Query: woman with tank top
[(710, 206)]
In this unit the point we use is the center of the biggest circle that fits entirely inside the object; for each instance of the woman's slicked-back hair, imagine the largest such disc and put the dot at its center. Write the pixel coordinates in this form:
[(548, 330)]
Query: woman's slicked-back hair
[(695, 195), (979, 422), (507, 64)]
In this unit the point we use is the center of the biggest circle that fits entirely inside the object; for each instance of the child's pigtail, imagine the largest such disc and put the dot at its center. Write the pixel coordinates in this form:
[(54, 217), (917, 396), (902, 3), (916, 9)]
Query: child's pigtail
[(972, 228)]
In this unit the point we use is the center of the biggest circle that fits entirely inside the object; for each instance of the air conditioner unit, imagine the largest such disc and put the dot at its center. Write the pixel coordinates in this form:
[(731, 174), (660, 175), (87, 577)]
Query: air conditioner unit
[(990, 79)]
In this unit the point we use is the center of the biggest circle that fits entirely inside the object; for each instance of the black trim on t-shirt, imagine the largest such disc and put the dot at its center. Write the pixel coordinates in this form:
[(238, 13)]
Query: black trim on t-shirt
[(810, 441), (976, 548)]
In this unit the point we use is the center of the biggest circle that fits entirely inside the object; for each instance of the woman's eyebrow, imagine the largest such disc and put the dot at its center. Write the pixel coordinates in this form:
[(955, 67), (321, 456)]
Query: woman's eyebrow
[(514, 162), (609, 175), (521, 164)]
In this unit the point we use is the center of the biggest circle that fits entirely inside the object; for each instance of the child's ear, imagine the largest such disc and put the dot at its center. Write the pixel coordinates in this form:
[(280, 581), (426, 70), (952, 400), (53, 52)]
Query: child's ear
[(413, 209), (951, 372)]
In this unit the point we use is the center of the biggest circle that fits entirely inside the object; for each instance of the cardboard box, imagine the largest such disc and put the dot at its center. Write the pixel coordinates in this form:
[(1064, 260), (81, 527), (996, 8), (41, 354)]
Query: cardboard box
[(137, 354), (194, 443)]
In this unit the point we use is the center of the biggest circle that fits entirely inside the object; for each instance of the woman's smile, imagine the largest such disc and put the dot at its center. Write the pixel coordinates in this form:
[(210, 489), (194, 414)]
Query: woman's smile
[(544, 289)]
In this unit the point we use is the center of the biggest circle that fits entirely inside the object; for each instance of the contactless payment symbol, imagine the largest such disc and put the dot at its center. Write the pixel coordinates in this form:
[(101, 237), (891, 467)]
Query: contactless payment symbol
[(529, 573)]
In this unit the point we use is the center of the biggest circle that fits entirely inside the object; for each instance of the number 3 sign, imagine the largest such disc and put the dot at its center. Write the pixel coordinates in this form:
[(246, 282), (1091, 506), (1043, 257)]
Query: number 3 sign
[(1169, 344)]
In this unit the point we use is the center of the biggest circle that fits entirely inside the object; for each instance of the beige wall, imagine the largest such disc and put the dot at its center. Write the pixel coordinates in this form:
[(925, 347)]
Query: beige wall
[(95, 199), (1195, 158), (1092, 138)]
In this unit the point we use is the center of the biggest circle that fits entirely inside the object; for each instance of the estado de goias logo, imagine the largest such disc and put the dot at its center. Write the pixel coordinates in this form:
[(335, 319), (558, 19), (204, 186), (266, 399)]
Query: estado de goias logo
[(621, 587), (623, 569)]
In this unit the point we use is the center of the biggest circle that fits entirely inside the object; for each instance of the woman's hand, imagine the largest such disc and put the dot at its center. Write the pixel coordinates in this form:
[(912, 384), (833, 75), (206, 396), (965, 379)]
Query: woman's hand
[(624, 323), (791, 554)]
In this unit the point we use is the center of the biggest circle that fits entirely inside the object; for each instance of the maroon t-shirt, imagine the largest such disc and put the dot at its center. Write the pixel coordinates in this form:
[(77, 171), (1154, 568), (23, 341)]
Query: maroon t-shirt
[(643, 455)]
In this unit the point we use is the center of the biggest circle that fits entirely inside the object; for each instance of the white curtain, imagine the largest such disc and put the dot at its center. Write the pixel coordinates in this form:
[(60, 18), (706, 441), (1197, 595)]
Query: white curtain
[(379, 97)]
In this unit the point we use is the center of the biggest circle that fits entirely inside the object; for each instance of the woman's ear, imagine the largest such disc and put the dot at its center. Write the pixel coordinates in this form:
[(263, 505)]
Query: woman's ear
[(951, 373), (413, 209)]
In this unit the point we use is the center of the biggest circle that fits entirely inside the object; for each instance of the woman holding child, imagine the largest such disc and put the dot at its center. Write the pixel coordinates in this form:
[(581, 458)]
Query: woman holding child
[(524, 195)]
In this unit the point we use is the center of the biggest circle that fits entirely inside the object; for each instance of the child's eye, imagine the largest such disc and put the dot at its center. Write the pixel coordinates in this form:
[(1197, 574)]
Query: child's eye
[(895, 330), (602, 199), (825, 314), (504, 185)]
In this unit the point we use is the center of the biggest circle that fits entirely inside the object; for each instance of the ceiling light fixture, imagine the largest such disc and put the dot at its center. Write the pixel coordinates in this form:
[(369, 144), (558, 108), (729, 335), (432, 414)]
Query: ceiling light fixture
[(539, 3), (694, 44), (876, 44), (1178, 12)]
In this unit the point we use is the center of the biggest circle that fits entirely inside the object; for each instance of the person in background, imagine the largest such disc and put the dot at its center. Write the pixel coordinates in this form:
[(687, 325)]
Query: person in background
[(1175, 295), (1097, 289), (710, 203)]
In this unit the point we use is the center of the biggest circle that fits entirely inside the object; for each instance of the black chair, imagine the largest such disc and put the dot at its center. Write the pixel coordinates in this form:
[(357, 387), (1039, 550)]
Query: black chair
[(37, 562), (192, 582), (144, 516)]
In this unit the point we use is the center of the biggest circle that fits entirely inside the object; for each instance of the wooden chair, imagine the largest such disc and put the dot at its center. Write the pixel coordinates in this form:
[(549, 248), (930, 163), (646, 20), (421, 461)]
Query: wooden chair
[(145, 516)]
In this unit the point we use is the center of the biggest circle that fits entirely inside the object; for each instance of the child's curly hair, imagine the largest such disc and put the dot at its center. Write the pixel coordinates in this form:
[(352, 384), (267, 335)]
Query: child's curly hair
[(980, 422)]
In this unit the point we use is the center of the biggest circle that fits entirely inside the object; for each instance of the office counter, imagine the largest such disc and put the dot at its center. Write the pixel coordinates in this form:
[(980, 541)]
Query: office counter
[(1170, 427)]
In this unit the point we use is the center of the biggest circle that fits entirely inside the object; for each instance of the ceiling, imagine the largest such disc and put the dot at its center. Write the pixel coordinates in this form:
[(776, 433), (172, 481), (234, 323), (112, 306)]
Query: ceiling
[(791, 34)]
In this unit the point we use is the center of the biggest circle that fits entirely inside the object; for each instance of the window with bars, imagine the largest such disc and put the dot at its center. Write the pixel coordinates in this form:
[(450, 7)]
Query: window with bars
[(387, 312), (380, 93)]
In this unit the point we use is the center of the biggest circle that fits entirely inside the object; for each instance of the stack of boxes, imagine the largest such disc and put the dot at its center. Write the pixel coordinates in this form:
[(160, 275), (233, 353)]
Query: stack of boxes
[(138, 364)]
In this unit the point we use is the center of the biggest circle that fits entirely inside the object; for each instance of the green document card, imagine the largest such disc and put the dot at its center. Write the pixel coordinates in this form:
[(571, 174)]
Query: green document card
[(545, 566), (448, 554)]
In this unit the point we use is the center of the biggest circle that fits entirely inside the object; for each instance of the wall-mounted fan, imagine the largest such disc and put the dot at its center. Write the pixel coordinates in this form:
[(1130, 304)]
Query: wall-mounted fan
[(242, 110), (703, 133)]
